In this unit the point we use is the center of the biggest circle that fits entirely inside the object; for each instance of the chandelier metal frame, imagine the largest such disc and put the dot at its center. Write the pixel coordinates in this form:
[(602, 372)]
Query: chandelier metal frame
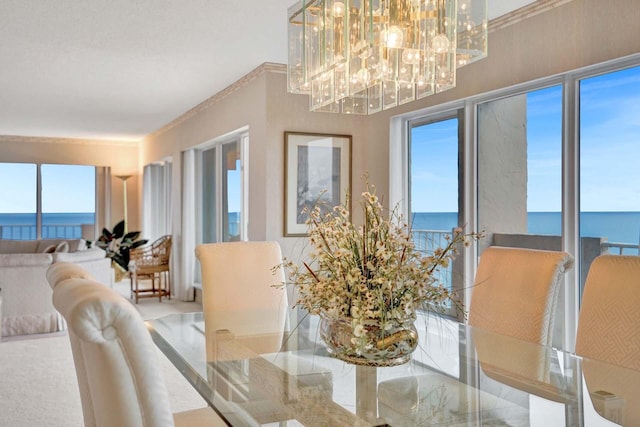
[(365, 56)]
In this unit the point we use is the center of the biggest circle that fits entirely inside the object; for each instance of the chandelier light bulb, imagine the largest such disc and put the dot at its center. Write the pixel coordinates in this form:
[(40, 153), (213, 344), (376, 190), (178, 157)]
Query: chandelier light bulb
[(440, 43), (393, 37)]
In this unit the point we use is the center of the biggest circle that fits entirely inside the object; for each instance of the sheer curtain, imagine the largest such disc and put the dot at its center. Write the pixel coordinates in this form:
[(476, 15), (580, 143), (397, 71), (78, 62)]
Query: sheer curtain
[(188, 229), (103, 200), (156, 193)]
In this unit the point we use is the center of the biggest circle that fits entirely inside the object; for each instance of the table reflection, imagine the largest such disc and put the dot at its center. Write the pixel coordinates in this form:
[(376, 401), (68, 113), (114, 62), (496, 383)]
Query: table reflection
[(274, 378), (614, 392)]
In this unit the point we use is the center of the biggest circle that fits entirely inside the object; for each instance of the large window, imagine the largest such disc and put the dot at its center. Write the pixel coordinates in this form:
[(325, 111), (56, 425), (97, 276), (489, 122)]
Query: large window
[(520, 173), (434, 185), (520, 169), (63, 208), (610, 161), (18, 200), (549, 165)]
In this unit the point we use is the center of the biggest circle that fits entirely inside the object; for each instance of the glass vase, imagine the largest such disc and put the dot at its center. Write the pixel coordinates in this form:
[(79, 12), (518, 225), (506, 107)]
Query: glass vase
[(372, 345)]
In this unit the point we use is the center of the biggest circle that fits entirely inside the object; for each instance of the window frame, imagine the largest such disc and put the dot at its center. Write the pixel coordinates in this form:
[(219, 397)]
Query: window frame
[(241, 138), (38, 178), (399, 168)]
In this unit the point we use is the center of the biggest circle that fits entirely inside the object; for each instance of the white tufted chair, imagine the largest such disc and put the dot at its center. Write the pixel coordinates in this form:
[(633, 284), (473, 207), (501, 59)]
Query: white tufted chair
[(238, 292), (114, 356), (516, 291)]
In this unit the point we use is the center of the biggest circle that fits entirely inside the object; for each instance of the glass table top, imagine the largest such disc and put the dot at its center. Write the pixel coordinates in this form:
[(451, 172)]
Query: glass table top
[(458, 375)]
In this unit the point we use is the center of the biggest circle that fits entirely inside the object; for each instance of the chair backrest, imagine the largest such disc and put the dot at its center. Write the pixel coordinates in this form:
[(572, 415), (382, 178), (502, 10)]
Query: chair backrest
[(157, 254), (609, 320), (115, 358), (238, 291), (515, 292)]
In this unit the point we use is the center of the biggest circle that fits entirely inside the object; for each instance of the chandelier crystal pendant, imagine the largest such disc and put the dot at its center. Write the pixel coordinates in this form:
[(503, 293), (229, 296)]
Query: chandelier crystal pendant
[(364, 56)]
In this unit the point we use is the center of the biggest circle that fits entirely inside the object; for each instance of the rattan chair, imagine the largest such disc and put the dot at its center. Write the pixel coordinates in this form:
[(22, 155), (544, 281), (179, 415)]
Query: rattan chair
[(152, 263)]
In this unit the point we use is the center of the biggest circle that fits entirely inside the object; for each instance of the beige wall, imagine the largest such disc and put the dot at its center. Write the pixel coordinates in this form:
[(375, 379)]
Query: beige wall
[(263, 106), (122, 157), (573, 35)]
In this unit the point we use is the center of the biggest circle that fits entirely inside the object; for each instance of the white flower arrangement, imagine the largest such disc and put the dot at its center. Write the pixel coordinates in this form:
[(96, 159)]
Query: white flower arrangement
[(372, 272)]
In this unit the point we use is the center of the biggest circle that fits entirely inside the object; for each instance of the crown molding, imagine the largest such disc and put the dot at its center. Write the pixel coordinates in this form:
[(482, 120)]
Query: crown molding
[(266, 67), (504, 21), (77, 141), (524, 13)]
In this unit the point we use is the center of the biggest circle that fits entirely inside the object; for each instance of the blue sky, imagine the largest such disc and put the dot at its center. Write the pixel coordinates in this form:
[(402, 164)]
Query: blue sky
[(610, 150), (434, 167), (610, 142), (65, 188)]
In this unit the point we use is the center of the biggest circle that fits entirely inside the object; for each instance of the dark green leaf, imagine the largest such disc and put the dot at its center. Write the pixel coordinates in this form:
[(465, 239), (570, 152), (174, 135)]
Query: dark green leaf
[(131, 236), (118, 230)]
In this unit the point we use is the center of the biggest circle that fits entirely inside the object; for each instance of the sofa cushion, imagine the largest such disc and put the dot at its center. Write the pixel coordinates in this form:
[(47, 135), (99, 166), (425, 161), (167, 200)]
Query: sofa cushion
[(74, 244), (8, 246), (62, 247), (49, 249), (80, 256), (25, 260)]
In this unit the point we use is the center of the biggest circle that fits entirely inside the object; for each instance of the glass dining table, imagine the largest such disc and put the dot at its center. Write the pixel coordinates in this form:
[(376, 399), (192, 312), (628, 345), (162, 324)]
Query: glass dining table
[(458, 376)]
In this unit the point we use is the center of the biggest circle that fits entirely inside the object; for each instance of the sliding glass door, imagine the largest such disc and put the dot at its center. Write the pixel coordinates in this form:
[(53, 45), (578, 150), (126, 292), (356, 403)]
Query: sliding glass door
[(610, 162), (221, 213)]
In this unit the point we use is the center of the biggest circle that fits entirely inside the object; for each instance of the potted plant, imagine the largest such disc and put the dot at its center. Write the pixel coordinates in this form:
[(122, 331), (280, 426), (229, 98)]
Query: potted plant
[(118, 244), (367, 281)]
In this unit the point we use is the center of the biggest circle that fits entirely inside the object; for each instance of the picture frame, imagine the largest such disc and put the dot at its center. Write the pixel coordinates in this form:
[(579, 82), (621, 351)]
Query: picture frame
[(317, 166)]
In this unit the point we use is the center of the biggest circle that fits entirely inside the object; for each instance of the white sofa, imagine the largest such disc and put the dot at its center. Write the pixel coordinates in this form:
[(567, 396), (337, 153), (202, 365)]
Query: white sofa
[(27, 307)]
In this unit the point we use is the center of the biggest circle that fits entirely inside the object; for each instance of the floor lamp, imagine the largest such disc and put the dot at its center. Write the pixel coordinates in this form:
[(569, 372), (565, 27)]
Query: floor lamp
[(124, 179)]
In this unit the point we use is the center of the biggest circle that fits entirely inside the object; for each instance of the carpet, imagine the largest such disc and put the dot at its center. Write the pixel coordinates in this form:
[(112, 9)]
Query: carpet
[(38, 385)]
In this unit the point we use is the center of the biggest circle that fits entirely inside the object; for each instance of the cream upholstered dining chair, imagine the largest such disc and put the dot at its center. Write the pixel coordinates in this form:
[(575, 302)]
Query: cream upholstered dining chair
[(238, 292), (609, 331), (514, 296), (115, 358), (238, 295), (609, 320), (515, 292)]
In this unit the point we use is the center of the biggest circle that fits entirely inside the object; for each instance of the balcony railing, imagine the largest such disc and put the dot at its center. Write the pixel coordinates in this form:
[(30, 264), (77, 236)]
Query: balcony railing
[(620, 248), (49, 231), (427, 241)]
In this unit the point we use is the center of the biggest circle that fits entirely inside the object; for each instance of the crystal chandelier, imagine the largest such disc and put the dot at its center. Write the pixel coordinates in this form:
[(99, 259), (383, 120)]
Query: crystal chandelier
[(364, 56)]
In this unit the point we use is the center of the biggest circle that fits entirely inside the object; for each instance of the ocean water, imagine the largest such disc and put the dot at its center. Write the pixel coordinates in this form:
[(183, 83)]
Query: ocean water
[(618, 227), (22, 226)]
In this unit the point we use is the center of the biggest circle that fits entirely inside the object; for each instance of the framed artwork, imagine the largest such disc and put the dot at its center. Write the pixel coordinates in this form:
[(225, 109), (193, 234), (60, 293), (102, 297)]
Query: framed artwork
[(317, 168)]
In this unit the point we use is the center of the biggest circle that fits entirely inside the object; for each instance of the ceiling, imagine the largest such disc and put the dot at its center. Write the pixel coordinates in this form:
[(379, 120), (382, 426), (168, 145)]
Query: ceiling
[(121, 69)]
